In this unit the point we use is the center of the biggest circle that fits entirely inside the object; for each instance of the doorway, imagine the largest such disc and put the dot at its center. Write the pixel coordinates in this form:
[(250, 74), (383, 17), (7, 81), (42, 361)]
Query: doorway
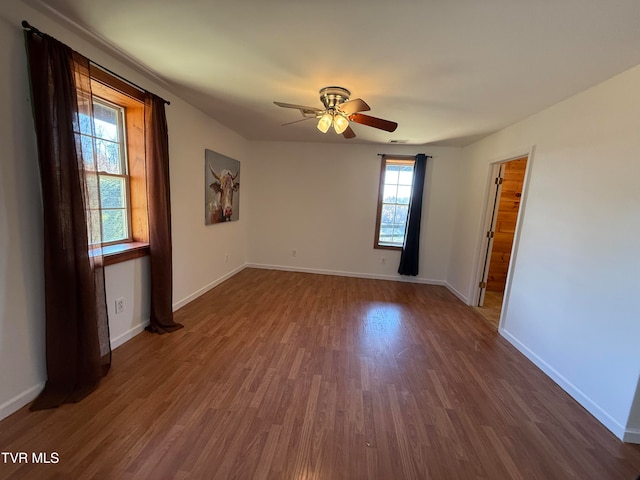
[(503, 209)]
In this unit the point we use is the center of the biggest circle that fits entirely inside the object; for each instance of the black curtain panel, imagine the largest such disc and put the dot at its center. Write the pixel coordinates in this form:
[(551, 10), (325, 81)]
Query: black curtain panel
[(409, 258), (78, 352), (159, 209)]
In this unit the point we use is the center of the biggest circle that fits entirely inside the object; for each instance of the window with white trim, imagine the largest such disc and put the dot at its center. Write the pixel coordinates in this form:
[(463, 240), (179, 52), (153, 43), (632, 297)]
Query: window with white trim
[(109, 144), (394, 198)]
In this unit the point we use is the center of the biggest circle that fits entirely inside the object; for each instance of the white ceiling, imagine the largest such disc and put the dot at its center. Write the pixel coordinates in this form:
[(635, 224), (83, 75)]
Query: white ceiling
[(448, 72)]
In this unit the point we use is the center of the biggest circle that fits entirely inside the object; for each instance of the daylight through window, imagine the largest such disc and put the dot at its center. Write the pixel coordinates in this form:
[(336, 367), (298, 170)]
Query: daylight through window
[(396, 179), (108, 144), (113, 148)]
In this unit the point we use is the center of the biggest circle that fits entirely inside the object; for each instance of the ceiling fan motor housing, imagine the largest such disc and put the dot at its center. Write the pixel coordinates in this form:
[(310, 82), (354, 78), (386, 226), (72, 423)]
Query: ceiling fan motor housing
[(331, 97)]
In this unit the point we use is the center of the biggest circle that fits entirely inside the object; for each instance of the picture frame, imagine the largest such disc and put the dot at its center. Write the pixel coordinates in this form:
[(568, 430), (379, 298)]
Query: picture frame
[(222, 188)]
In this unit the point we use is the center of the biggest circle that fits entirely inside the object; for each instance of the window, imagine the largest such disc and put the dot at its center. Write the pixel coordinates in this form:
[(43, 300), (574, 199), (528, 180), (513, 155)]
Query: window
[(117, 139), (108, 143), (396, 179)]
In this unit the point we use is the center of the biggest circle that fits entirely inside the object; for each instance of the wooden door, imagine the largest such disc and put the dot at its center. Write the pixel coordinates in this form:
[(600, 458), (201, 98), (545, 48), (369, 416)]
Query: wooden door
[(508, 206)]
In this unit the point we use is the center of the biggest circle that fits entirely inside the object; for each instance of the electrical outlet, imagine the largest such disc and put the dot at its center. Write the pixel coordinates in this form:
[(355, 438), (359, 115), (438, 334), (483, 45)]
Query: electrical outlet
[(119, 305), (226, 259)]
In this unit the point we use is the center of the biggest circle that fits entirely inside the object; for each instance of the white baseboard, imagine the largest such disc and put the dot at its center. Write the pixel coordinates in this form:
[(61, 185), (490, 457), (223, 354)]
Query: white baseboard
[(19, 401), (589, 405), (341, 273), (632, 435), (206, 288), (462, 297), (128, 335), (26, 397)]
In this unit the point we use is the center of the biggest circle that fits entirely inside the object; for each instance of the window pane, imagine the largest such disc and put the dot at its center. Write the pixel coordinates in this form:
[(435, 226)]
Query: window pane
[(389, 193), (87, 151), (388, 213), (406, 176), (106, 122), (404, 194), (391, 175), (114, 225), (93, 224), (92, 190), (85, 124), (108, 156), (386, 232), (113, 193), (401, 214)]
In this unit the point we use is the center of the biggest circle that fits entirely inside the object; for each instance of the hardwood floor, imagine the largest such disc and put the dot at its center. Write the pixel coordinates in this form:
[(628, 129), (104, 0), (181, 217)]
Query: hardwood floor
[(492, 308), (281, 375)]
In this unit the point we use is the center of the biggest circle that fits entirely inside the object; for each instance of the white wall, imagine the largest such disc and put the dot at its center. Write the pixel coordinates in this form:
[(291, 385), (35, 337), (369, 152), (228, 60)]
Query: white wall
[(129, 281), (574, 303), (200, 252), (198, 260), (22, 369), (320, 200)]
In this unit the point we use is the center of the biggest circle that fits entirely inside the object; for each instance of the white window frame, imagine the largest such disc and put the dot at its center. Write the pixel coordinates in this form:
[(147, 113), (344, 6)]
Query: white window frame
[(387, 160), (122, 143)]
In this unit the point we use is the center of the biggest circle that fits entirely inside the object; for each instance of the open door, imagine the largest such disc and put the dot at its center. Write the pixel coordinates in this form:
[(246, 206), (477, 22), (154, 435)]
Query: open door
[(495, 201), (504, 208)]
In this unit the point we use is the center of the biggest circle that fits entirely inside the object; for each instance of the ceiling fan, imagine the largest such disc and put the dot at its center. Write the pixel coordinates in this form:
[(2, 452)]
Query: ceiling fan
[(338, 111)]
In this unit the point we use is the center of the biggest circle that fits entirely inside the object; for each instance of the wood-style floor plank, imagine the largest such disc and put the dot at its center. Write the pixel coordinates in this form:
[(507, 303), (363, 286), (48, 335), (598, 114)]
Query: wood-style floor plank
[(282, 375)]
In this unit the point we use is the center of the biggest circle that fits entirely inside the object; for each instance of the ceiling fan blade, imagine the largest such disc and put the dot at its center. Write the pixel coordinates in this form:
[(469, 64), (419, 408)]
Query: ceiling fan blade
[(374, 122), (349, 133), (297, 121), (353, 106), (302, 108)]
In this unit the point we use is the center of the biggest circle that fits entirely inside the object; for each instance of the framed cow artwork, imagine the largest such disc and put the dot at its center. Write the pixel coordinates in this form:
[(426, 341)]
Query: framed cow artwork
[(221, 188)]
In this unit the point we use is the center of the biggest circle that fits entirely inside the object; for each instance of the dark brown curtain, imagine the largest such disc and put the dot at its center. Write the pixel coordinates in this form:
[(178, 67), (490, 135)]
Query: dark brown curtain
[(159, 209), (78, 353)]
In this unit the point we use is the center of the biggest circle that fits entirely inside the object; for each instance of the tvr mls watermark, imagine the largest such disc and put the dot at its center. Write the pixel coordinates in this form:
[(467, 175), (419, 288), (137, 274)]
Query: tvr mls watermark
[(30, 457)]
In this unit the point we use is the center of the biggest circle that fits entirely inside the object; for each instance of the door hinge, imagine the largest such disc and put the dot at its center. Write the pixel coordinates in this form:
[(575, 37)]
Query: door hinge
[(489, 234), (482, 284), (498, 180)]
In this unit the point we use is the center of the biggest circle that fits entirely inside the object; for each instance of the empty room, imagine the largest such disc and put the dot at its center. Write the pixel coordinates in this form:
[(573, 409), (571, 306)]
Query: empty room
[(296, 240)]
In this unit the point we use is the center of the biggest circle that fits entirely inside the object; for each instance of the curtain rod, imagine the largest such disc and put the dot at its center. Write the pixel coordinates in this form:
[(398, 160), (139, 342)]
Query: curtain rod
[(33, 29), (402, 156)]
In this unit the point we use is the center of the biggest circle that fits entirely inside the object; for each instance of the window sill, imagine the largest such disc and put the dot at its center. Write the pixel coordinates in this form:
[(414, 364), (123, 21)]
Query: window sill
[(123, 252), (387, 247)]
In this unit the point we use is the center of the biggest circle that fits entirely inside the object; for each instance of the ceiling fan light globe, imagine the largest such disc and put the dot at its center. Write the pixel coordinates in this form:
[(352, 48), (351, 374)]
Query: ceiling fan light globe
[(325, 122), (340, 124)]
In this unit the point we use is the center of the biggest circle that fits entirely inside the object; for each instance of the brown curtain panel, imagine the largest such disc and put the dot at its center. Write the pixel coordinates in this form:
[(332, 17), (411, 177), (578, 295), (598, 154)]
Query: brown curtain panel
[(159, 209), (78, 352)]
